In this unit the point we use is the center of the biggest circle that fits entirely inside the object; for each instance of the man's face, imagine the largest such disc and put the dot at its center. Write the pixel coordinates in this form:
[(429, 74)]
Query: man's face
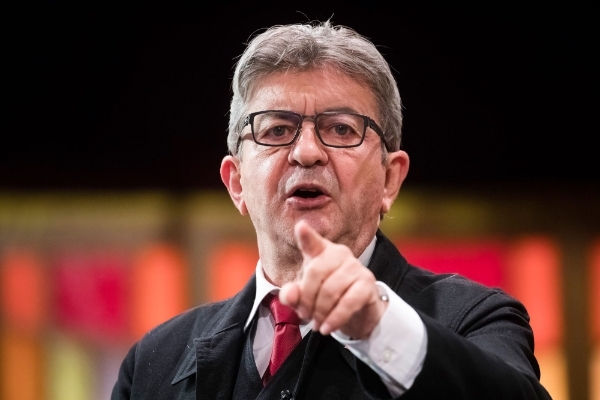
[(338, 191)]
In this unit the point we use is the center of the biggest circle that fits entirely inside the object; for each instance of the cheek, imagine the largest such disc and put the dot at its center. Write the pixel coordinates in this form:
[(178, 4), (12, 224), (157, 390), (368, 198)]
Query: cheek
[(367, 186), (365, 175), (259, 177)]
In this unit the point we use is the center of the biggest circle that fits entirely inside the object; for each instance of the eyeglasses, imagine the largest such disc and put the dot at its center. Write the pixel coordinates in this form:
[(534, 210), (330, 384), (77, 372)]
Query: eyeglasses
[(334, 129)]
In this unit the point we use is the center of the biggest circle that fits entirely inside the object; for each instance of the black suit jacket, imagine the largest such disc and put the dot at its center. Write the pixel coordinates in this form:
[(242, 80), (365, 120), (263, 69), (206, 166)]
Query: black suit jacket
[(480, 346)]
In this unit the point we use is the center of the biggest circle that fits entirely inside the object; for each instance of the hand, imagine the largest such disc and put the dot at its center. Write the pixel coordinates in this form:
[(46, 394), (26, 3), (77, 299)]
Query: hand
[(334, 289)]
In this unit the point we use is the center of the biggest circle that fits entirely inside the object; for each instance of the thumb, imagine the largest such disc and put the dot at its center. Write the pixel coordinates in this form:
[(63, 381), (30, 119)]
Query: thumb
[(310, 243)]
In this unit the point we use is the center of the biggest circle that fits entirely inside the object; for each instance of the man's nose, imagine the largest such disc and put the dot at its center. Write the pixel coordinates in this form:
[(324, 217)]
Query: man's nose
[(308, 150)]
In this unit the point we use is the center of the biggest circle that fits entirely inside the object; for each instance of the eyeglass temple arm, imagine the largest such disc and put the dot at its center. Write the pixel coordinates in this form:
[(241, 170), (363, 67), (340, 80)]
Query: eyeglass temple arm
[(373, 125)]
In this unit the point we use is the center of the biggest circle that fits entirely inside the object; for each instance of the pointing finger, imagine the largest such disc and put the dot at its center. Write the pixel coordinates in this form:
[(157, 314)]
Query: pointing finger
[(310, 243)]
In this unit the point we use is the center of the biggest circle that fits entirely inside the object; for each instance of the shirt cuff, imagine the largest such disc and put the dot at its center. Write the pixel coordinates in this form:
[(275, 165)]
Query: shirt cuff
[(397, 346)]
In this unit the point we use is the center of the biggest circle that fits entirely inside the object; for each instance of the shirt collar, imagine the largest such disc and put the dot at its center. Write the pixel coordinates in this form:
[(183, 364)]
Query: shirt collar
[(264, 287)]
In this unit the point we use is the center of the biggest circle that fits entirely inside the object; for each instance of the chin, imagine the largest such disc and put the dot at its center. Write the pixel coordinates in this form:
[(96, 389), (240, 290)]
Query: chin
[(319, 223)]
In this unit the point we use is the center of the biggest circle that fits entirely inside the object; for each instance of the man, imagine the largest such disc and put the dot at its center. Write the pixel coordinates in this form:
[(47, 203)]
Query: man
[(333, 311)]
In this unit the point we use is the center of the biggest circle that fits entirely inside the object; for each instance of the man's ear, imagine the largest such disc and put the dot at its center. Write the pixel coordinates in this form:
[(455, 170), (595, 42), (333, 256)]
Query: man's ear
[(232, 178), (396, 168)]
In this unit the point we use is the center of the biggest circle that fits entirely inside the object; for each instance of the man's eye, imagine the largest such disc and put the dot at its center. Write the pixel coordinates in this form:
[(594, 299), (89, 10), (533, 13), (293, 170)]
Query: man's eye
[(276, 133), (278, 130), (341, 129)]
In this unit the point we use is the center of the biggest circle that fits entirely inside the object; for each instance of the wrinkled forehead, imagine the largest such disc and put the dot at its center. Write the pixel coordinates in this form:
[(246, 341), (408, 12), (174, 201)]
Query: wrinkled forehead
[(313, 90)]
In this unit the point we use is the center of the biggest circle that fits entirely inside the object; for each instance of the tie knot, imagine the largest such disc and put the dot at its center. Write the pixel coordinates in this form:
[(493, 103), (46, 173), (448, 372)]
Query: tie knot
[(281, 313)]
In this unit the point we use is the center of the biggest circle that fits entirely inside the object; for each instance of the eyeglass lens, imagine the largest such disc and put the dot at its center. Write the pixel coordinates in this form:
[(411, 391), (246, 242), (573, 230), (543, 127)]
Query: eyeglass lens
[(277, 128)]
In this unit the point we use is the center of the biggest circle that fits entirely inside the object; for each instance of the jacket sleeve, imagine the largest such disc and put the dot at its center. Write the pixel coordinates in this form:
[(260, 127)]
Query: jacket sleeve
[(486, 353)]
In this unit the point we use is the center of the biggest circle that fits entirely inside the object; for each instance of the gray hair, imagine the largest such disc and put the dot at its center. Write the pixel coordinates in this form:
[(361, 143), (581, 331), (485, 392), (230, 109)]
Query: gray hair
[(302, 47)]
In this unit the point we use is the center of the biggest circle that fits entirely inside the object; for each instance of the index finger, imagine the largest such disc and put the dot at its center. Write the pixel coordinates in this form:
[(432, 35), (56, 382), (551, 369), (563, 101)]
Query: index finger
[(309, 241)]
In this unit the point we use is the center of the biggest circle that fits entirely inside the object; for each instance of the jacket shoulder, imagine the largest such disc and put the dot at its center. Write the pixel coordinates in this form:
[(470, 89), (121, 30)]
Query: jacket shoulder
[(183, 327), (149, 367), (453, 299)]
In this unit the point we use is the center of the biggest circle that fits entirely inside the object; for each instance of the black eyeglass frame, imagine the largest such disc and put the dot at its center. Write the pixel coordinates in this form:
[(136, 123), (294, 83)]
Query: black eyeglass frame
[(369, 123)]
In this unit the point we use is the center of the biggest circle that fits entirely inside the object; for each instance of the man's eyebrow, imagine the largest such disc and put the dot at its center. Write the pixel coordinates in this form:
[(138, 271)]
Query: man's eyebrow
[(341, 110)]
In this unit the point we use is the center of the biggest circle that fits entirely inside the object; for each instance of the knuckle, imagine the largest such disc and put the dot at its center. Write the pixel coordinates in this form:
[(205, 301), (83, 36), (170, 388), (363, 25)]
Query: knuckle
[(336, 319), (328, 292), (341, 250), (322, 313), (310, 271), (349, 302), (345, 251), (367, 276)]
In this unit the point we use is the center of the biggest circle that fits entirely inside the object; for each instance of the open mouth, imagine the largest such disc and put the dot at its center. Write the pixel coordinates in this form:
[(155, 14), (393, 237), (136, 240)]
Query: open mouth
[(308, 193)]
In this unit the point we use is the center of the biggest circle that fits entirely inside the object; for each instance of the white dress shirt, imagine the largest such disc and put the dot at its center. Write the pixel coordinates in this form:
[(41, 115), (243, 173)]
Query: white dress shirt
[(395, 350)]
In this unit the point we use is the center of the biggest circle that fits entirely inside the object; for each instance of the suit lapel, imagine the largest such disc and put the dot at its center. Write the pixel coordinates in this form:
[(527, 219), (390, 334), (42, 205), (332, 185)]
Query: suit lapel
[(387, 264), (216, 353), (307, 362)]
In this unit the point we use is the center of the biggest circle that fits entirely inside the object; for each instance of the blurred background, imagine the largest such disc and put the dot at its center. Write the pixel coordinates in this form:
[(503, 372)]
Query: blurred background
[(113, 217)]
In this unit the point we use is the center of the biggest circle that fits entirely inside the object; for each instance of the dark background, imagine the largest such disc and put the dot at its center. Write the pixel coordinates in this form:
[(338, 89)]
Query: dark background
[(137, 97)]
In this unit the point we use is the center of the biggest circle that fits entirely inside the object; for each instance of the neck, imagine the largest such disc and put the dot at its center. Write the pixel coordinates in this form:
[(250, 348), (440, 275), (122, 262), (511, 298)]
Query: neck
[(279, 266), (282, 261)]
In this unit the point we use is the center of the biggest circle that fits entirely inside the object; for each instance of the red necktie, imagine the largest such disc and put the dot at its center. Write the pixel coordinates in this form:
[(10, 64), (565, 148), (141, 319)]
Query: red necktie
[(287, 334)]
